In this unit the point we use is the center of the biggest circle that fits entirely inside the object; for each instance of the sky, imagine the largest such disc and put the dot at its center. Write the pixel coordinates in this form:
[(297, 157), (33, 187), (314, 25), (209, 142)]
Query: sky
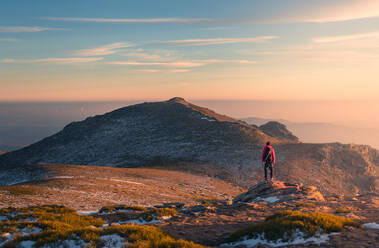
[(114, 50)]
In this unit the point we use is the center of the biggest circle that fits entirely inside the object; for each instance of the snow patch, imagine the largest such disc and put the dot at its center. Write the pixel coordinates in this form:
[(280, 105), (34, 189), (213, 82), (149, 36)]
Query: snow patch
[(141, 221), (27, 244), (28, 231), (68, 243), (298, 238), (31, 219), (207, 118), (87, 212), (63, 177), (18, 182), (125, 181), (270, 199), (112, 241), (371, 225)]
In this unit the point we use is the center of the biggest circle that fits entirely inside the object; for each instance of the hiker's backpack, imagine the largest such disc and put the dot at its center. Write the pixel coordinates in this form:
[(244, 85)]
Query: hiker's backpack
[(268, 155)]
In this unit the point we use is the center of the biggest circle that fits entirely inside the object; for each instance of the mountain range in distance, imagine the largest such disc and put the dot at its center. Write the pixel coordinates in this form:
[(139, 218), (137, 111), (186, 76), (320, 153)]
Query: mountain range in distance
[(176, 134)]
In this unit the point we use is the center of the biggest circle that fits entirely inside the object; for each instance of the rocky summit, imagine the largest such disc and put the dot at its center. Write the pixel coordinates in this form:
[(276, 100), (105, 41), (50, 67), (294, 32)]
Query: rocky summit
[(278, 130)]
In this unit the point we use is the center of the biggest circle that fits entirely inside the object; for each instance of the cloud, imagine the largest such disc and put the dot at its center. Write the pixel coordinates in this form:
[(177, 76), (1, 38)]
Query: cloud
[(102, 50), (148, 70), (178, 70), (8, 39), (164, 71), (140, 54), (52, 60), (232, 61), (216, 41), (23, 29), (127, 20), (330, 39), (181, 64), (178, 64), (352, 10)]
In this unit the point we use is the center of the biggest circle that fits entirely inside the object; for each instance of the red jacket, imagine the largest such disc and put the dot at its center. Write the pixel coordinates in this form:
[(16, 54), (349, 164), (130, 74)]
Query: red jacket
[(272, 151)]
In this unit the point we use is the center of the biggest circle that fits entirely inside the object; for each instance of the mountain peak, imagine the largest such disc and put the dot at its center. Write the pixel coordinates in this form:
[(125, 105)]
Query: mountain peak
[(178, 100), (278, 130)]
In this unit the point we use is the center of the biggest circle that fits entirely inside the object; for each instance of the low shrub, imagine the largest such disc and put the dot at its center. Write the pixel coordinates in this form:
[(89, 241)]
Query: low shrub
[(157, 213), (19, 190), (60, 223), (112, 208), (305, 204), (342, 210), (284, 225)]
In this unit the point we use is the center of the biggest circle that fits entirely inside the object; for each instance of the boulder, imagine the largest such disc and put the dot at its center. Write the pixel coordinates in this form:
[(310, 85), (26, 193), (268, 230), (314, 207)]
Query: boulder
[(278, 192)]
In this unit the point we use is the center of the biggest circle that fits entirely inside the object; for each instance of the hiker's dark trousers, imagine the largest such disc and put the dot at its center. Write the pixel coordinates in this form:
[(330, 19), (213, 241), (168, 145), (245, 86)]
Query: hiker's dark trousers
[(269, 166)]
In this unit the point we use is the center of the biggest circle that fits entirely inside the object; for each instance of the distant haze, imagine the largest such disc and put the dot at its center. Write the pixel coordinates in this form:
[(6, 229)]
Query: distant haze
[(25, 123)]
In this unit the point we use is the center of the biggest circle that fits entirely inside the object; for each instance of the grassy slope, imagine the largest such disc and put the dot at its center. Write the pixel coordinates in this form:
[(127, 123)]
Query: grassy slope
[(91, 187)]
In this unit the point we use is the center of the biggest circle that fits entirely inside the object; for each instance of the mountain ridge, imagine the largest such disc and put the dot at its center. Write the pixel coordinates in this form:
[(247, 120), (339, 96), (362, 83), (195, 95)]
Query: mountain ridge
[(178, 135), (140, 126)]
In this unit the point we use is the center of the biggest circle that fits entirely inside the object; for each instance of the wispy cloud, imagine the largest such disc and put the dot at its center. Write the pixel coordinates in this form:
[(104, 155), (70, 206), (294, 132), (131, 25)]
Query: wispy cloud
[(141, 54), (7, 39), (128, 20), (24, 29), (216, 41), (102, 50), (163, 71), (350, 10), (330, 39), (52, 60), (182, 64), (177, 64)]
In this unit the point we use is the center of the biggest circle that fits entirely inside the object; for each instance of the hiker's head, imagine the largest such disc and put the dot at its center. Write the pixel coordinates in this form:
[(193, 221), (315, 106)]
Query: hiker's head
[(267, 143)]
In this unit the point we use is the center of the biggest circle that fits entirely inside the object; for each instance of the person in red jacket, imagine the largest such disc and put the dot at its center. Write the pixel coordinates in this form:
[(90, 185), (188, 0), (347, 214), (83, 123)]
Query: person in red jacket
[(268, 160)]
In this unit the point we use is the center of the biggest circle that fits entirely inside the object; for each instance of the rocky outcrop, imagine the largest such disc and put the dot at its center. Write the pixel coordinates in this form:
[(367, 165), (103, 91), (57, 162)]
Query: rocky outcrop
[(278, 130), (279, 192)]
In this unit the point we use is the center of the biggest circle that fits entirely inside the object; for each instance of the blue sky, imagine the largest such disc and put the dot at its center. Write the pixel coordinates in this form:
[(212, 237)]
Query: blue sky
[(121, 50)]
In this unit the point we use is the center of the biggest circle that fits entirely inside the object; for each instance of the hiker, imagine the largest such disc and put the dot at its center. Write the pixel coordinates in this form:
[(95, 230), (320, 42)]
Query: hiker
[(268, 160)]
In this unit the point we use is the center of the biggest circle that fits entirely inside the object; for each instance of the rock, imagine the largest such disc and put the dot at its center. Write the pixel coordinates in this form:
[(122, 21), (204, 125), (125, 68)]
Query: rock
[(279, 192)]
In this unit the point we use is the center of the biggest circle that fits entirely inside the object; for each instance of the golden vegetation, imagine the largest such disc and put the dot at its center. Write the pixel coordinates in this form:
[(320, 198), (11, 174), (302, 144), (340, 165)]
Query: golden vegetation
[(305, 204), (283, 225), (157, 213), (60, 223), (342, 210), (110, 209), (19, 190)]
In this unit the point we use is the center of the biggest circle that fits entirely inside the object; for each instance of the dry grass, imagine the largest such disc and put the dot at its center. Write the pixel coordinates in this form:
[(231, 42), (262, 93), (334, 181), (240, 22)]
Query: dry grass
[(18, 190), (60, 223), (283, 225), (342, 210), (91, 187)]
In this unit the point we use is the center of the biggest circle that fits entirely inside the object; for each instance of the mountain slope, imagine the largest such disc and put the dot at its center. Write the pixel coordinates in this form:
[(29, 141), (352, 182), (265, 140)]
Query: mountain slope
[(91, 187), (143, 134), (178, 135)]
